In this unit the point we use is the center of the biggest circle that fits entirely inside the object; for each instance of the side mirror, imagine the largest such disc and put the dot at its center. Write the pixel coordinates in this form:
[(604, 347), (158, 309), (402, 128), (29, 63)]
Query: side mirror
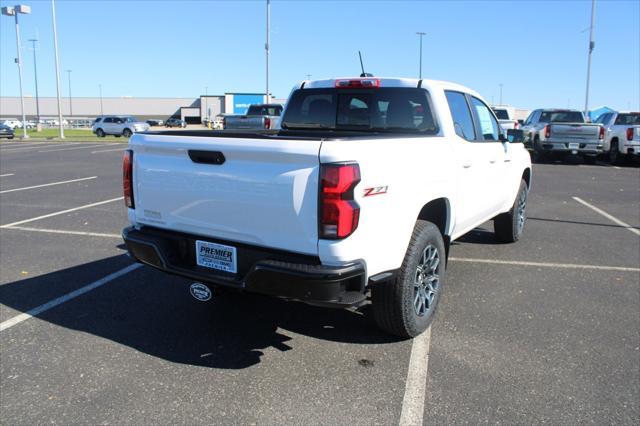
[(515, 135)]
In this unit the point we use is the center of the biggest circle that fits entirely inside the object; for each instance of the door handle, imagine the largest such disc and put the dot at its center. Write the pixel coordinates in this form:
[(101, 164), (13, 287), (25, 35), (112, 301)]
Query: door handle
[(466, 166), (492, 161), (507, 161)]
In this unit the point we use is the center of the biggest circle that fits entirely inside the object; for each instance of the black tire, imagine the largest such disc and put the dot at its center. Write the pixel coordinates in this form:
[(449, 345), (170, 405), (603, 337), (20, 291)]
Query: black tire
[(117, 136), (395, 302), (127, 133), (100, 133), (538, 153), (614, 153), (508, 227)]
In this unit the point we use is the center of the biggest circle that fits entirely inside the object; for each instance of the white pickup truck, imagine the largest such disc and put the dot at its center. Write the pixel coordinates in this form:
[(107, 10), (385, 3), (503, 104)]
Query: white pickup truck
[(360, 193), (621, 135)]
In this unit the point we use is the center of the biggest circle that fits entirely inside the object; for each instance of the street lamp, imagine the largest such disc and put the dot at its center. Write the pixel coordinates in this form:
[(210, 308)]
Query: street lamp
[(266, 48), (101, 109), (15, 11), (70, 100), (420, 34), (35, 73), (55, 49)]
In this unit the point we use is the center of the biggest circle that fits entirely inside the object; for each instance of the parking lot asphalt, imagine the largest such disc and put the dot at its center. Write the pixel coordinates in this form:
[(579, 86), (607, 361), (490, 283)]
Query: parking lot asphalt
[(546, 330)]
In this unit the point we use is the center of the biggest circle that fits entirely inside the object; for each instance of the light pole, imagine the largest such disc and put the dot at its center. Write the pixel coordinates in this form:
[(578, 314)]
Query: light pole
[(70, 99), (55, 49), (206, 110), (15, 11), (420, 34), (266, 47), (35, 73), (500, 93), (592, 44), (101, 109)]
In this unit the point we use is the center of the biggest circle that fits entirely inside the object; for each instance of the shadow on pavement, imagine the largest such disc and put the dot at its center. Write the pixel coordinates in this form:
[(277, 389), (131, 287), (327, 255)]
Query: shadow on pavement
[(154, 313)]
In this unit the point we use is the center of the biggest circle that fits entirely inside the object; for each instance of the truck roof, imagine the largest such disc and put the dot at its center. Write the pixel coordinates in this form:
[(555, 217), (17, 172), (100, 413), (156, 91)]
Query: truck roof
[(390, 82)]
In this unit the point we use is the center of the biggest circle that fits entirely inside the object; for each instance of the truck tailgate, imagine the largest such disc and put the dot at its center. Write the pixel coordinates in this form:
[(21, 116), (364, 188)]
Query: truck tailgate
[(264, 192), (575, 131)]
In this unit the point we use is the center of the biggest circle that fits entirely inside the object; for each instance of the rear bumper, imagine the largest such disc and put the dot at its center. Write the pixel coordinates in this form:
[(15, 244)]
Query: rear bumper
[(570, 147), (260, 270)]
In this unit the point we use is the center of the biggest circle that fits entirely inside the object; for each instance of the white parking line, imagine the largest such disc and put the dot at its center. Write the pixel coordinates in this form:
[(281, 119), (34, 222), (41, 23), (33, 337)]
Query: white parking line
[(7, 175), (416, 386), (70, 149), (608, 216), (109, 150), (65, 232), (545, 264), (86, 206), (69, 296), (26, 148), (47, 184)]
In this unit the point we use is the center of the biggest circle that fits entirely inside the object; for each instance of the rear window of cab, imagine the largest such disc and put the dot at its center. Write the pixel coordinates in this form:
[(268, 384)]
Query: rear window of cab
[(392, 109)]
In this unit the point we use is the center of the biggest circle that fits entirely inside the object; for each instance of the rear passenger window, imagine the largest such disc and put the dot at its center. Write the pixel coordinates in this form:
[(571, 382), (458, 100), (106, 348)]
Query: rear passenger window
[(489, 127), (462, 120)]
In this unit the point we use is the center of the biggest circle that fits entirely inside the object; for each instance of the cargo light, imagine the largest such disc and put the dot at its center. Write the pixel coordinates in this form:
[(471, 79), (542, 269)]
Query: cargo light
[(630, 134), (358, 83), (127, 178), (339, 213)]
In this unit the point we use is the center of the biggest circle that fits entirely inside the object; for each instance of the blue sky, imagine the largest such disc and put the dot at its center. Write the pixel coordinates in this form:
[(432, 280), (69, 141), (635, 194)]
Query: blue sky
[(536, 49)]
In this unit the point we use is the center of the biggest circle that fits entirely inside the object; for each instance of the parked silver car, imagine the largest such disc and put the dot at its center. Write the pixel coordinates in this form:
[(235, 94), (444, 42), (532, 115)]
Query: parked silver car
[(118, 126)]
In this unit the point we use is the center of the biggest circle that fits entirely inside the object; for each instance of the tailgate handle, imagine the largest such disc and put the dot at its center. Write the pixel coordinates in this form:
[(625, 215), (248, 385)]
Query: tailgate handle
[(206, 157)]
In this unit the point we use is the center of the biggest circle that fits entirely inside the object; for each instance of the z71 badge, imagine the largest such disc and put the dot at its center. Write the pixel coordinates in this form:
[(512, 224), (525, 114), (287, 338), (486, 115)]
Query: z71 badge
[(377, 190)]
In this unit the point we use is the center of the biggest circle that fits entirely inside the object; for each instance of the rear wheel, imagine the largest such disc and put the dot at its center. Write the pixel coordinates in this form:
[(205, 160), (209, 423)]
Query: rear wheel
[(508, 226), (126, 133), (539, 155), (405, 306), (100, 133), (614, 154)]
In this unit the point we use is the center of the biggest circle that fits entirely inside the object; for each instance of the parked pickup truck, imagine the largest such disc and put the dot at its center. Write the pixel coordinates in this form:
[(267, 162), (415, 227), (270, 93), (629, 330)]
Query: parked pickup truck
[(622, 135), (505, 117), (360, 193), (553, 133), (258, 117)]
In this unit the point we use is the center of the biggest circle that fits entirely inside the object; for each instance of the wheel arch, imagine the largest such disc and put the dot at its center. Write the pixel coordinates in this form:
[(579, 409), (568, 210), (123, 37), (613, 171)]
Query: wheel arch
[(526, 175), (438, 212)]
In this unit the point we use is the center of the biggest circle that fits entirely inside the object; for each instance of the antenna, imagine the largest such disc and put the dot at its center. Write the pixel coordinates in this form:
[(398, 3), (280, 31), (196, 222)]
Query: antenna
[(364, 74)]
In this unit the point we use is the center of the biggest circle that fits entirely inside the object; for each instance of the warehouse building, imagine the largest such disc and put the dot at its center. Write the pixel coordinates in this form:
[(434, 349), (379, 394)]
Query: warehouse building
[(193, 111)]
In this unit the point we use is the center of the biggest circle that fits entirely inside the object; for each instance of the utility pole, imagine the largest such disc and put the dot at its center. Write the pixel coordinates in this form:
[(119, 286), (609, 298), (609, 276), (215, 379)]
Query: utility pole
[(266, 46), (206, 97), (101, 109), (420, 34), (70, 99), (55, 48), (500, 94), (592, 44), (15, 11), (35, 72)]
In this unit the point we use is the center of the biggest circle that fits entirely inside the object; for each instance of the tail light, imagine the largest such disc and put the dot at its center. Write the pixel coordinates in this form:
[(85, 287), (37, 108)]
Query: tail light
[(224, 122), (601, 134), (339, 212), (127, 178), (267, 123), (516, 125), (630, 133), (547, 131)]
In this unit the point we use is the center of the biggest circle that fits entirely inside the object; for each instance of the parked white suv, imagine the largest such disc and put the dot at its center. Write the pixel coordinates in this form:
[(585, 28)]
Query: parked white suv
[(118, 126), (621, 135), (360, 193)]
